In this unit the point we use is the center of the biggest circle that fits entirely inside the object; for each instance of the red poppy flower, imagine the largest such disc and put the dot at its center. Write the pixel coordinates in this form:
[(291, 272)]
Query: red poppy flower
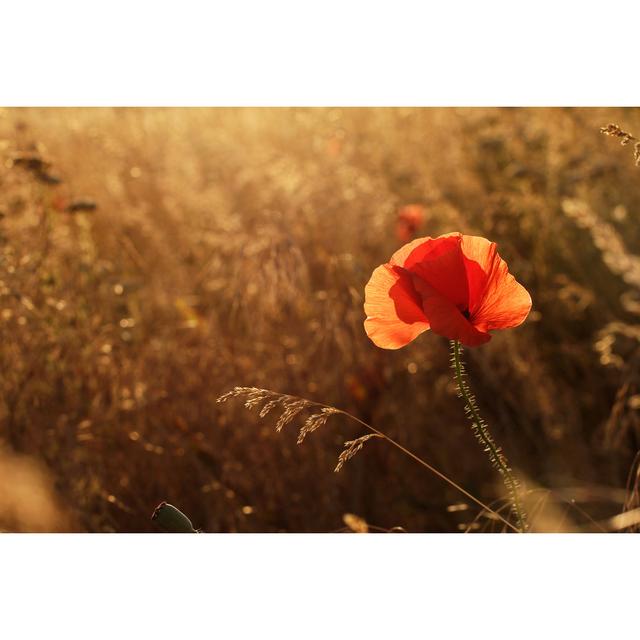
[(409, 220), (456, 285)]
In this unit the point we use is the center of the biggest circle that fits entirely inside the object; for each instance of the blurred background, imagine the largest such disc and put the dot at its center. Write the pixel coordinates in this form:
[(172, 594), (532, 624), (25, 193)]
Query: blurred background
[(153, 259)]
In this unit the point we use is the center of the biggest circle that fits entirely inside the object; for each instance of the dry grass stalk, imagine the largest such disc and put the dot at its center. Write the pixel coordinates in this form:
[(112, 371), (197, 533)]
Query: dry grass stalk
[(625, 138), (351, 448), (291, 406)]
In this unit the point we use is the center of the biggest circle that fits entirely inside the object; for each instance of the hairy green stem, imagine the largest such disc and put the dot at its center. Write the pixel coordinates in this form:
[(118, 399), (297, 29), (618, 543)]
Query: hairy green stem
[(484, 437)]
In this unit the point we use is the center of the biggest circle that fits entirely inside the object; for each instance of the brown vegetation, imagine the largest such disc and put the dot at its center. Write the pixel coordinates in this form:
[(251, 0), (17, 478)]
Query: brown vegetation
[(153, 259)]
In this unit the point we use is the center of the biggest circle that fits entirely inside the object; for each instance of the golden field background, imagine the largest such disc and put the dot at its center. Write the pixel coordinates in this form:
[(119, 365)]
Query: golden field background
[(153, 259)]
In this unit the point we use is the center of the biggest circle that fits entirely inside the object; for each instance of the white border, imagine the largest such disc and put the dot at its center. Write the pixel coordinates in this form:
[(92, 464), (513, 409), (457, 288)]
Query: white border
[(319, 586), (314, 53)]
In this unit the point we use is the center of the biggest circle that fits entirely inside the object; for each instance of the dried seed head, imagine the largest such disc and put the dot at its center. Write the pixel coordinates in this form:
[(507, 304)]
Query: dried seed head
[(314, 422), (351, 448), (615, 131), (291, 410), (625, 138)]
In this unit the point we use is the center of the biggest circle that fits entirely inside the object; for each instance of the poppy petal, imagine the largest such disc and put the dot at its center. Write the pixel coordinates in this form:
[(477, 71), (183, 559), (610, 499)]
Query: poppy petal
[(425, 245), (496, 299), (394, 310), (444, 269), (401, 255), (445, 318), (479, 255)]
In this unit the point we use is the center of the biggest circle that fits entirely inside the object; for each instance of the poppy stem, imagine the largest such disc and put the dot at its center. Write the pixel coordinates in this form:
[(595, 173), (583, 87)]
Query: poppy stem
[(484, 437)]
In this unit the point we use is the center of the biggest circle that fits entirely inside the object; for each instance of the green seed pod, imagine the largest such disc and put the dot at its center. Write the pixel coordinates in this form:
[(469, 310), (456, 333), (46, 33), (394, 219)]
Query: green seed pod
[(172, 520)]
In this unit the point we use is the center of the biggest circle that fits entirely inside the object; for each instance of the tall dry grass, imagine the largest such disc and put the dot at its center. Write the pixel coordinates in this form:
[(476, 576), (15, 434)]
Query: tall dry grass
[(153, 259)]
